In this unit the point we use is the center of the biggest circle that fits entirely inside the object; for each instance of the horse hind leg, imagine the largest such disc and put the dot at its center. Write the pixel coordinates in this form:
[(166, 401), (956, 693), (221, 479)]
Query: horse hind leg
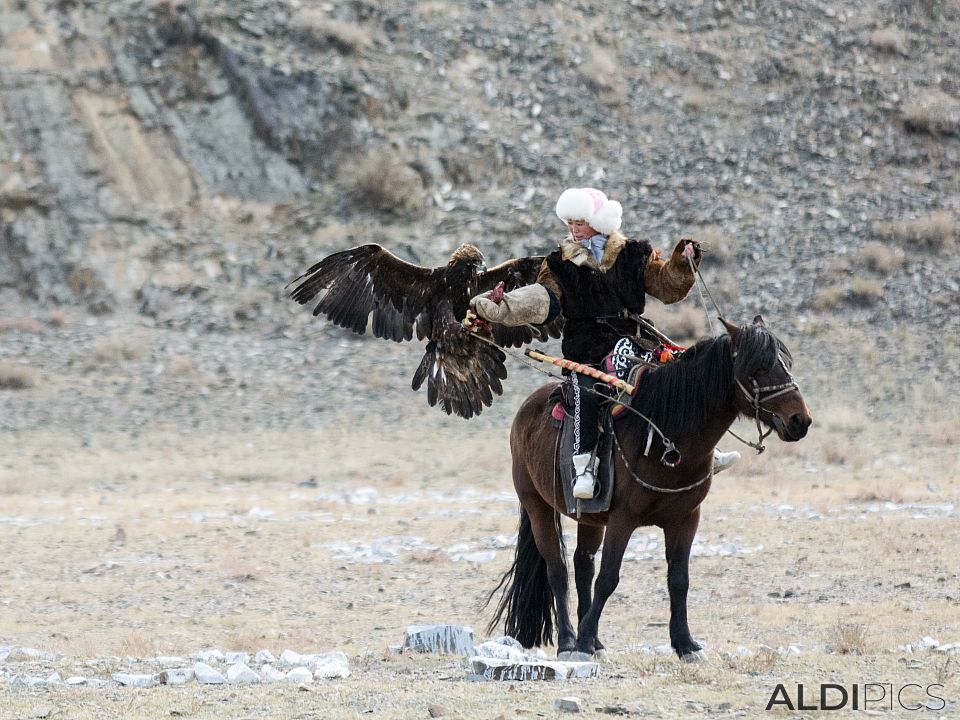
[(535, 586)]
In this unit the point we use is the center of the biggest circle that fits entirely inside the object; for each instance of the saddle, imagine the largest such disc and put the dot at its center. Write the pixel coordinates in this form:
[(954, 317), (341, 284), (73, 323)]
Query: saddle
[(629, 360)]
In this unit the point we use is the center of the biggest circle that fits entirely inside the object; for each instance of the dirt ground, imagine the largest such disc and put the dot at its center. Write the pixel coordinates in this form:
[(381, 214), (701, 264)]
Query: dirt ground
[(119, 549)]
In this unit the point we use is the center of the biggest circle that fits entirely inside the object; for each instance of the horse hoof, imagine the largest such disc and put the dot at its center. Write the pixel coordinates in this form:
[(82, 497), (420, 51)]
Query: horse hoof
[(575, 656), (696, 656), (600, 654)]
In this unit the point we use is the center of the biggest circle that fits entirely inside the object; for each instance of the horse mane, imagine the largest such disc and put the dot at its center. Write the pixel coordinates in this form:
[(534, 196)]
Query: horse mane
[(680, 395)]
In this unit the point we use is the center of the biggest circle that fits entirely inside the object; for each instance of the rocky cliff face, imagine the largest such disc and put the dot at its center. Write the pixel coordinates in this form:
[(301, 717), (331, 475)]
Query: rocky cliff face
[(184, 161)]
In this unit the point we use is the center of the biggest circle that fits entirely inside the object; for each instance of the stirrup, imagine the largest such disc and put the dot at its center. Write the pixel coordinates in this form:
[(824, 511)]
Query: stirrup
[(724, 460), (584, 465)]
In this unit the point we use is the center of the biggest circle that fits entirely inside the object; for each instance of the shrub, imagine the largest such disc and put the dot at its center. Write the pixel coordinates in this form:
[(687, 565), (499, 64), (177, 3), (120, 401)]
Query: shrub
[(936, 231), (880, 257), (385, 182), (865, 291), (935, 114), (16, 377), (323, 31), (889, 39)]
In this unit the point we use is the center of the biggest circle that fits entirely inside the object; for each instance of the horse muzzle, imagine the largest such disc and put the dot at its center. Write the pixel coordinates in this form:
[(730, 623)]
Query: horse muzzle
[(794, 428)]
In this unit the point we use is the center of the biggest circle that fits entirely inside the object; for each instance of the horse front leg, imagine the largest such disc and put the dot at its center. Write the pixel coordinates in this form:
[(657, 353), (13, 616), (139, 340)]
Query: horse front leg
[(589, 538), (614, 546), (678, 539)]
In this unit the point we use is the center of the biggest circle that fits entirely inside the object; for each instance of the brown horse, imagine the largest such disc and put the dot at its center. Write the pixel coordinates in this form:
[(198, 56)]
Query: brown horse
[(693, 400)]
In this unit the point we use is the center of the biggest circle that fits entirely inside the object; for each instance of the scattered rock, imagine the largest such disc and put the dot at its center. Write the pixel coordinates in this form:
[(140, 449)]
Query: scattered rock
[(436, 711), (452, 639), (268, 673), (131, 680), (176, 676), (237, 657), (208, 656), (568, 704), (299, 675), (240, 673), (494, 669), (264, 656), (206, 675), (330, 665)]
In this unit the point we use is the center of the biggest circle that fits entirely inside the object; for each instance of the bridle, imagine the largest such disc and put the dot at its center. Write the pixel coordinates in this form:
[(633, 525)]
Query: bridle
[(761, 394)]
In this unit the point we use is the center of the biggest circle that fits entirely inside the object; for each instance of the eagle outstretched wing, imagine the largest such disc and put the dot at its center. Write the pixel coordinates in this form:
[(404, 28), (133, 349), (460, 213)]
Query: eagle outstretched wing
[(369, 280), (369, 286)]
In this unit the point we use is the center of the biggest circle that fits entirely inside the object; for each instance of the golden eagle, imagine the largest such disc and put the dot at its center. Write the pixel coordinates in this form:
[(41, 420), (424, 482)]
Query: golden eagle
[(463, 373)]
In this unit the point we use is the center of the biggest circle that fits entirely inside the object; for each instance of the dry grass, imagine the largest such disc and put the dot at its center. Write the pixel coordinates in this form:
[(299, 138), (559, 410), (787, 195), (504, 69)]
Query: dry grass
[(324, 31), (385, 182), (683, 323), (850, 639), (23, 325), (114, 351), (889, 39), (14, 376), (935, 113), (865, 292), (829, 297), (180, 580), (936, 231), (880, 257), (600, 69)]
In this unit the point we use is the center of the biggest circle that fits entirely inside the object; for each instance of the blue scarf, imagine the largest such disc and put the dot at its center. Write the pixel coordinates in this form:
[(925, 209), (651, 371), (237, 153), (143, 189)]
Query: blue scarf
[(595, 245)]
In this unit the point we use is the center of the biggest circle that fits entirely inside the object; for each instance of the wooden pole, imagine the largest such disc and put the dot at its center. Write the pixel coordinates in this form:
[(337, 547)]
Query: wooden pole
[(613, 380)]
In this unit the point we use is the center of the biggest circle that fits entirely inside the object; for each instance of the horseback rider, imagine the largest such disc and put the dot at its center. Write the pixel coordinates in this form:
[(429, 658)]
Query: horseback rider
[(597, 279)]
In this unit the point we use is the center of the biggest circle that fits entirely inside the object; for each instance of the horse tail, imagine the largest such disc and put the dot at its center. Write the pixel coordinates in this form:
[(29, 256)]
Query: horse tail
[(526, 607)]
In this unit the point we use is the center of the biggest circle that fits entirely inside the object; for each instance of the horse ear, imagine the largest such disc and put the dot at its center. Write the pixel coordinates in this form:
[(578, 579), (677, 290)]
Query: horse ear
[(734, 330), (758, 320)]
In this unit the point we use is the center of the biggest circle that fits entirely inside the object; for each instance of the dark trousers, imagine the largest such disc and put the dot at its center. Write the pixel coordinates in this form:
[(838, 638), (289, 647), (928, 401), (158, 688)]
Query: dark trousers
[(590, 404)]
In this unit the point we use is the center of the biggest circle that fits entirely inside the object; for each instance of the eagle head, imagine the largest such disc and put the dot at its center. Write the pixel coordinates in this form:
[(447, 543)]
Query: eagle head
[(470, 256)]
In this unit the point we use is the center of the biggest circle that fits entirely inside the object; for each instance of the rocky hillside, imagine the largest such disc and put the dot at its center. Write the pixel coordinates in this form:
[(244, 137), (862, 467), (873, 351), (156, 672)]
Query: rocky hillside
[(174, 165)]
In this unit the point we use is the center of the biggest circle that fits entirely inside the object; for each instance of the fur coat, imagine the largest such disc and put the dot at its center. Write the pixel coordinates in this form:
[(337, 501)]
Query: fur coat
[(593, 296)]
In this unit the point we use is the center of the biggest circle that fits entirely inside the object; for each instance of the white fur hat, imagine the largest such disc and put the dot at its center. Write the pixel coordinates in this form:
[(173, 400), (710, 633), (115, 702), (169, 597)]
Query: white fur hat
[(604, 216)]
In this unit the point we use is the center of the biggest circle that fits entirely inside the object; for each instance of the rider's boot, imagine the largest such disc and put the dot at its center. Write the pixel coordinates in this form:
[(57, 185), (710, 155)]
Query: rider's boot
[(724, 460)]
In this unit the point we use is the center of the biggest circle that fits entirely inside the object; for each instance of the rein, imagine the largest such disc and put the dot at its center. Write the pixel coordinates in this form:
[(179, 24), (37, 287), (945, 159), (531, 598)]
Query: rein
[(756, 402)]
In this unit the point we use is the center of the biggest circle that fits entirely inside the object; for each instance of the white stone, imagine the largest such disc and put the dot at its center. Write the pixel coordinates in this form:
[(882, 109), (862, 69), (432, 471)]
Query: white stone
[(953, 647), (169, 660), (28, 680), (300, 675), (53, 679), (35, 654), (492, 649), (264, 656), (237, 657), (928, 642), (270, 674), (664, 649), (206, 675), (495, 669), (176, 676), (131, 680), (208, 656), (76, 680), (453, 639), (289, 658), (330, 665), (240, 673)]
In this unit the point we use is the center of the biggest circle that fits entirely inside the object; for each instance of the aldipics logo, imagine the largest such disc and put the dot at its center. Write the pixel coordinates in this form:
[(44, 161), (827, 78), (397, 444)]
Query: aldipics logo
[(862, 696)]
